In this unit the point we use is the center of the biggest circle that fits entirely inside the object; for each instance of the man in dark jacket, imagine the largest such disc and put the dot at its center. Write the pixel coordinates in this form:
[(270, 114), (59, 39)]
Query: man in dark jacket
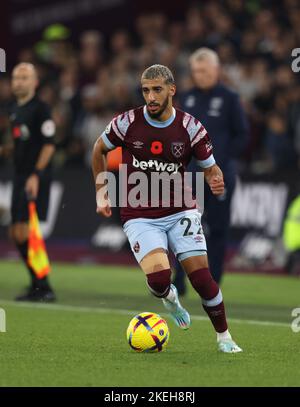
[(219, 110)]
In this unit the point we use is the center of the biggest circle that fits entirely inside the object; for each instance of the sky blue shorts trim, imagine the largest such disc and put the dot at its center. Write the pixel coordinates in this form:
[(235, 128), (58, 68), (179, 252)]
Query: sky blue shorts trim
[(186, 255)]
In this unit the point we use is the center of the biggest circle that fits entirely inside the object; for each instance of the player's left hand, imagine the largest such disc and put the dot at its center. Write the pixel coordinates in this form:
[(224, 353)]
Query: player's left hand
[(217, 185), (32, 186)]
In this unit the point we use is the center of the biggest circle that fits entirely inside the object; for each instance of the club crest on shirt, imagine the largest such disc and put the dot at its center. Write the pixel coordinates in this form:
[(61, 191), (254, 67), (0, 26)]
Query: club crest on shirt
[(136, 247), (177, 149)]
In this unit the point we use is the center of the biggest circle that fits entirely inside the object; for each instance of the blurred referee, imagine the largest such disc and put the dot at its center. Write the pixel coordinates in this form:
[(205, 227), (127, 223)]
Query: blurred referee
[(33, 135)]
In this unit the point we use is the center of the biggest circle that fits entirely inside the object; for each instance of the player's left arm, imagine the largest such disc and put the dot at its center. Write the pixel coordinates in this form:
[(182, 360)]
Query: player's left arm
[(47, 131), (203, 152), (214, 177)]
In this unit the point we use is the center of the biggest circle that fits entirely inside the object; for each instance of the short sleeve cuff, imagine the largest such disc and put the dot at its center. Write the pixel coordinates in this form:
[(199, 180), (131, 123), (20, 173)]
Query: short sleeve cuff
[(108, 144), (209, 162)]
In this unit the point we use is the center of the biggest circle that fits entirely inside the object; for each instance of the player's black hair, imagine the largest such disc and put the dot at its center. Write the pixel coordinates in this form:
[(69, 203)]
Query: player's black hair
[(159, 71)]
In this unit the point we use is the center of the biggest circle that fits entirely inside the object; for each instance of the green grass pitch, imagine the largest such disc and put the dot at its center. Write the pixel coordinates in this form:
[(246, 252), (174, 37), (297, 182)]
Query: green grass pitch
[(81, 341)]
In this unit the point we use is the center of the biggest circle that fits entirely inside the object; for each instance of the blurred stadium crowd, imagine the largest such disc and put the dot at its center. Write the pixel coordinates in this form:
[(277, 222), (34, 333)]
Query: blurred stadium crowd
[(89, 79)]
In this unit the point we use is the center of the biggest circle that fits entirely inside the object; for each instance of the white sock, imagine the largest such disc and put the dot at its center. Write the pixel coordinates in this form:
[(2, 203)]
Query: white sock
[(171, 296), (223, 336)]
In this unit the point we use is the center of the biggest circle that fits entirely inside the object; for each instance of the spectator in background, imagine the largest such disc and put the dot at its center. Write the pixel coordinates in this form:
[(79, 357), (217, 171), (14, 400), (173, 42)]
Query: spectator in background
[(52, 53), (221, 113), (6, 102), (92, 122), (293, 129), (278, 146), (120, 44), (253, 39), (90, 56)]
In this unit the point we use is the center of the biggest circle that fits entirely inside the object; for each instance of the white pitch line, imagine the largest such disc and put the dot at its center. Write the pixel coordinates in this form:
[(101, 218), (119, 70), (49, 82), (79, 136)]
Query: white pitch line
[(73, 308)]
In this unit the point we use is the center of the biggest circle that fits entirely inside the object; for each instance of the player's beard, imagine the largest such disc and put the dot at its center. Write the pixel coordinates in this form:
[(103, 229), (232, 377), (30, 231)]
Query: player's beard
[(160, 111)]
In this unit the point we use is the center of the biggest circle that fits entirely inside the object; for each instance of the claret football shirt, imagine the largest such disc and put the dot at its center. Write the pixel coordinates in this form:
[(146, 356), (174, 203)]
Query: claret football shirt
[(157, 147)]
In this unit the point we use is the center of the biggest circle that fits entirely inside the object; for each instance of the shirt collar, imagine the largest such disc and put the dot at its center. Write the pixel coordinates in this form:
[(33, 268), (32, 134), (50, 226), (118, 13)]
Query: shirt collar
[(156, 123)]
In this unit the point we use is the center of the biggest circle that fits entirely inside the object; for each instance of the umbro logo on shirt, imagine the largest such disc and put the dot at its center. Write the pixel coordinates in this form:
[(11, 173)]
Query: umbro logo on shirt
[(138, 144)]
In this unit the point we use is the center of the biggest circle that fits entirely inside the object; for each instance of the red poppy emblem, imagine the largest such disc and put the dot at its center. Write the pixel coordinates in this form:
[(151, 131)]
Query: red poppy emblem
[(156, 147)]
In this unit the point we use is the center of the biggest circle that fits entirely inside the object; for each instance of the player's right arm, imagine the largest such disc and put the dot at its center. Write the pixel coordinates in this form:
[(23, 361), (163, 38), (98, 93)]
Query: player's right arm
[(112, 137), (99, 166), (214, 177)]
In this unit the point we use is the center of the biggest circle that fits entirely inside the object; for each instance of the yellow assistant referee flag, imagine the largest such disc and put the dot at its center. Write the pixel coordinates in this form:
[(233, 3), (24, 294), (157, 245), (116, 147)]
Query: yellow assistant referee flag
[(37, 254)]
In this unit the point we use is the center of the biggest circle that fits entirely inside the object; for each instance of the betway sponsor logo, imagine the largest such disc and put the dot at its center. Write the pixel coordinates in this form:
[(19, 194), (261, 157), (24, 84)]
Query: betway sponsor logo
[(156, 165)]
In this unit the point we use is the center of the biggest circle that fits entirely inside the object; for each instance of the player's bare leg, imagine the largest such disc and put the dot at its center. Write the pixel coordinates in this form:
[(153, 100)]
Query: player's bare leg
[(156, 267), (196, 267)]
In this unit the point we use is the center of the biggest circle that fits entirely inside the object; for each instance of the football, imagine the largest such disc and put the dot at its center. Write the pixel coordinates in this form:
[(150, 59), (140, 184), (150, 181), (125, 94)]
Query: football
[(148, 332)]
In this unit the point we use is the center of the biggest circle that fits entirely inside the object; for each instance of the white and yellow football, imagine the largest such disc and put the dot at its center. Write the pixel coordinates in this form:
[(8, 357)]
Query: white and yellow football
[(148, 332)]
